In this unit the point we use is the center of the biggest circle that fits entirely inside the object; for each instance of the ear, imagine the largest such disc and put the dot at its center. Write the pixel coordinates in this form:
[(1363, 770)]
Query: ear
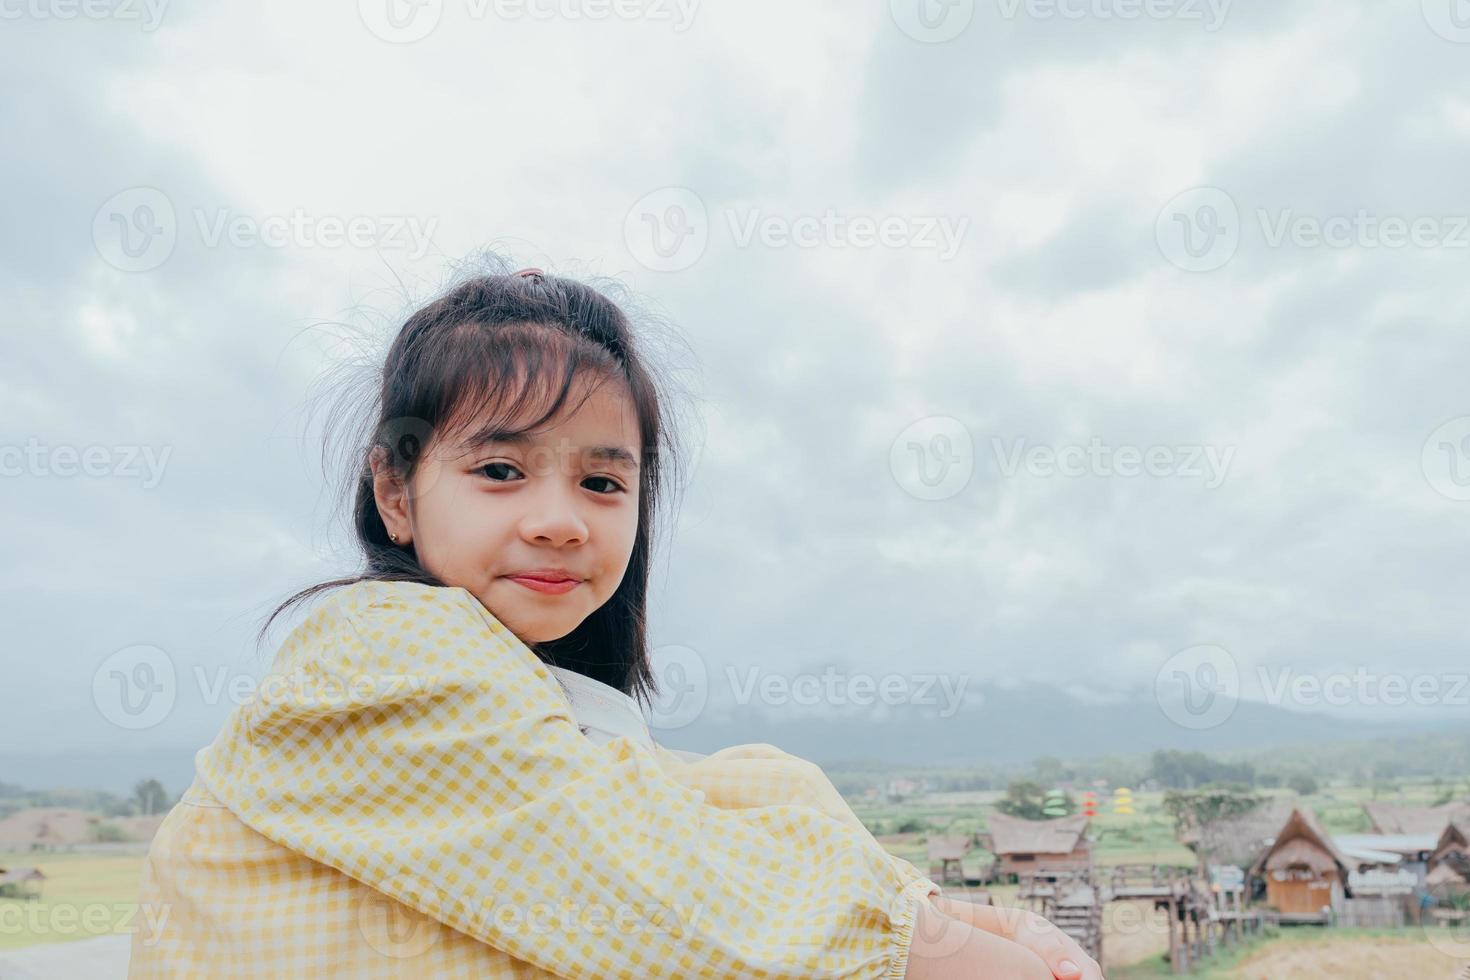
[(392, 497)]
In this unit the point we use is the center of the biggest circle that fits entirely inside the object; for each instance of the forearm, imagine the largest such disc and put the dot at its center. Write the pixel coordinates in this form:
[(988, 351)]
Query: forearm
[(1004, 922), (948, 948)]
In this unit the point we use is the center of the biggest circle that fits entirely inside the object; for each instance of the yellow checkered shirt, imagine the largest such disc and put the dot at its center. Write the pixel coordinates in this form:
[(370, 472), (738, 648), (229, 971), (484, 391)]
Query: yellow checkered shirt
[(409, 795)]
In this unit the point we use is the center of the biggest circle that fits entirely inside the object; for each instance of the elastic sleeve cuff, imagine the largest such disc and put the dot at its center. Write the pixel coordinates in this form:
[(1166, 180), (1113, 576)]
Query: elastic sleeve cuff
[(905, 917)]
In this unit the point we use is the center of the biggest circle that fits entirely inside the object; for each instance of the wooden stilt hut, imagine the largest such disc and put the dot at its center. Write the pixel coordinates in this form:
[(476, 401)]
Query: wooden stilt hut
[(1306, 875)]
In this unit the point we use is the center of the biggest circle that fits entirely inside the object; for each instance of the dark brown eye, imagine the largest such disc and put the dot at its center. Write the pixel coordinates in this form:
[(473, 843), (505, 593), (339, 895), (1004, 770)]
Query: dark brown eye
[(496, 470), (613, 485)]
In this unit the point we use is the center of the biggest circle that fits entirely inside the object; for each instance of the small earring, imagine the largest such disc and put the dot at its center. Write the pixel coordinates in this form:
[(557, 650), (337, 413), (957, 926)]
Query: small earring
[(393, 537)]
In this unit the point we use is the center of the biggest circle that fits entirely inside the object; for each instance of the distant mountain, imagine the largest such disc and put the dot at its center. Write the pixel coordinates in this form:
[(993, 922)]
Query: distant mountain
[(1016, 725), (1000, 727)]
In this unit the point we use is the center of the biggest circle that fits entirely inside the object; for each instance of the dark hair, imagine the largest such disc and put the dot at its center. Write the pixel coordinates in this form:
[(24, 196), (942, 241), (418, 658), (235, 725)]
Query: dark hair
[(490, 348)]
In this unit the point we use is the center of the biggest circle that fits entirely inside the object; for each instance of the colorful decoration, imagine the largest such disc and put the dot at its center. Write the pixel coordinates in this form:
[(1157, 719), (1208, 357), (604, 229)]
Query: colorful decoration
[(1055, 804)]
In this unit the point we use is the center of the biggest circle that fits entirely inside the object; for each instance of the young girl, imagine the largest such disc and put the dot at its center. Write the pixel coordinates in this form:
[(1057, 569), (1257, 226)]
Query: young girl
[(446, 773)]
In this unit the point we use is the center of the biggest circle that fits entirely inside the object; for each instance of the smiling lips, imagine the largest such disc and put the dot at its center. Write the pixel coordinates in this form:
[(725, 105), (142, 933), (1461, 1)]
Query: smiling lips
[(548, 581)]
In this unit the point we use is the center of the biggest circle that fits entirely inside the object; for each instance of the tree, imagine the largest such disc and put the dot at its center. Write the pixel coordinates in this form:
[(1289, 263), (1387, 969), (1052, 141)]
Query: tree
[(1023, 799), (150, 797), (1195, 807), (1302, 783), (1049, 770)]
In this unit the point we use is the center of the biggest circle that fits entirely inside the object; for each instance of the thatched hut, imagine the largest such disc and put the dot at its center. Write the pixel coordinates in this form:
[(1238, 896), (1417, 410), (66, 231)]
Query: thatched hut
[(1306, 875), (1236, 841), (946, 856), (22, 883), (1391, 818), (1450, 862), (1026, 847)]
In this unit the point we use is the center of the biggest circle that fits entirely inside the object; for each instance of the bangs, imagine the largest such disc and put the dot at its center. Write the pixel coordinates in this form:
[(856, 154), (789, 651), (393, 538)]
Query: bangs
[(499, 382)]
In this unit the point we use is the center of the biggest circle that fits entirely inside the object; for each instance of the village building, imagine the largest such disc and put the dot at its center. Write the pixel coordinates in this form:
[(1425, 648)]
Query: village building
[(1029, 847), (1306, 874), (1449, 864), (21, 883), (1391, 818)]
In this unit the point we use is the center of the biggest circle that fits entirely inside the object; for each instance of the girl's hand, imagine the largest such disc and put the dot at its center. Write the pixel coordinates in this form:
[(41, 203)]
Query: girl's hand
[(1061, 953)]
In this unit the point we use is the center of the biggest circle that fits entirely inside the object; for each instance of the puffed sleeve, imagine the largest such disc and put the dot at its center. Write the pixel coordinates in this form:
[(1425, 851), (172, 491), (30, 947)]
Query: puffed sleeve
[(408, 739), (760, 774)]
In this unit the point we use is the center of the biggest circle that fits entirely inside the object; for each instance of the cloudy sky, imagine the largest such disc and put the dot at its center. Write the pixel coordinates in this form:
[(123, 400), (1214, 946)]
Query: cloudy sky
[(1087, 343)]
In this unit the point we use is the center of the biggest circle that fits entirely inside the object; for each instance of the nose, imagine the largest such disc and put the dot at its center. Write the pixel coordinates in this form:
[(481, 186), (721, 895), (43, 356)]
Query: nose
[(553, 518)]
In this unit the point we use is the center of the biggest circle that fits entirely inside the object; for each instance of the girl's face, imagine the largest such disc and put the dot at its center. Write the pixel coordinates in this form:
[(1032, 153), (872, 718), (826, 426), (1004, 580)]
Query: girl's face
[(495, 518)]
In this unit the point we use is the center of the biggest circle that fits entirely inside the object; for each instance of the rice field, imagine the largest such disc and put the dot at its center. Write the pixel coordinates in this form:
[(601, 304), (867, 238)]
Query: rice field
[(84, 895)]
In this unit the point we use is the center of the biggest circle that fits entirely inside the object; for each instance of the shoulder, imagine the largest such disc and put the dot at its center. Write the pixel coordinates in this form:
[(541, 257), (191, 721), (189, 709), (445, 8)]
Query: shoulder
[(401, 616)]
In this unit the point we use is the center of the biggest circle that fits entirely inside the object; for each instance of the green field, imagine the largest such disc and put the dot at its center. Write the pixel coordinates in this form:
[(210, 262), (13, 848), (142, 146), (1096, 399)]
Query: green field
[(84, 895), (1144, 837)]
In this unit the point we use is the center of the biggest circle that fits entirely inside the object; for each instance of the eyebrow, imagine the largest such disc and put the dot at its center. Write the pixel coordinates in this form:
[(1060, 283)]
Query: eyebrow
[(615, 454)]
